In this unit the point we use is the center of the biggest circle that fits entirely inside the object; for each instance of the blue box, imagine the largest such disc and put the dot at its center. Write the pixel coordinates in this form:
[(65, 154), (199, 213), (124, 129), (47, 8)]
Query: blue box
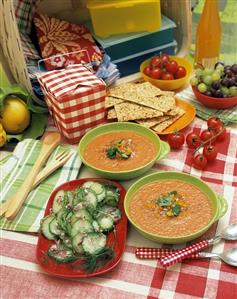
[(120, 46), (131, 64)]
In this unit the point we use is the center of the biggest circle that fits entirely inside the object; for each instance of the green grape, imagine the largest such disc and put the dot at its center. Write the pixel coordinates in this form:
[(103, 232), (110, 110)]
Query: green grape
[(220, 68), (233, 91), (215, 76), (202, 87), (194, 81), (198, 73), (207, 80), (225, 90), (207, 71)]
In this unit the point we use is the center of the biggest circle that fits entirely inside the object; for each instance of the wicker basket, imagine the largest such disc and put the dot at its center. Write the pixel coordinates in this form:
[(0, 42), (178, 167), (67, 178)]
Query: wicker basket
[(10, 37)]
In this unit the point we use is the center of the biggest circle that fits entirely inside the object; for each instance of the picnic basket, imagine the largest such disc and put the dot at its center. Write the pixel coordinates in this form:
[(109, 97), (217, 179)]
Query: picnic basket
[(10, 38)]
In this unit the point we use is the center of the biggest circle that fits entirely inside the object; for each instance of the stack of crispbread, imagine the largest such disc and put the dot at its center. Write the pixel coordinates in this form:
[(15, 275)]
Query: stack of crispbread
[(144, 104)]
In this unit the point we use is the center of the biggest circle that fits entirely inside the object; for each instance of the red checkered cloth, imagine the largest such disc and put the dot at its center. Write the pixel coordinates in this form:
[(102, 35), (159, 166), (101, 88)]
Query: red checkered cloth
[(135, 278), (75, 98)]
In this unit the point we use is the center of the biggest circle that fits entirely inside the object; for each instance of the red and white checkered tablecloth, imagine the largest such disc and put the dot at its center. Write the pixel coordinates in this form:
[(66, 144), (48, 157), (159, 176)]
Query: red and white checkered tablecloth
[(21, 277)]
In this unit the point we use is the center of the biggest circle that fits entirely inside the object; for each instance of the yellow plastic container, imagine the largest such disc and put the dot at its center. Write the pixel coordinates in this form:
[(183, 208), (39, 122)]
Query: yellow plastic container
[(118, 17)]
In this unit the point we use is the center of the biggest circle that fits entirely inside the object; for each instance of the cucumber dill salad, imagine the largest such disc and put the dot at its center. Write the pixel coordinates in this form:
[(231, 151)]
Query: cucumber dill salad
[(79, 223)]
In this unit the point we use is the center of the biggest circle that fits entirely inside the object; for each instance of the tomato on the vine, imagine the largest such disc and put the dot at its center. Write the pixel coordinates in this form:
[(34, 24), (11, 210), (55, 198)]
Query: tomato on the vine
[(176, 139), (210, 152), (193, 140), (214, 122), (222, 135), (199, 161), (206, 135)]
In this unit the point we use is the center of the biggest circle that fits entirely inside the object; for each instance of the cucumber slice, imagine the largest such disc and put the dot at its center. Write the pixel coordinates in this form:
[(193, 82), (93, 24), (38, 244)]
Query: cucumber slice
[(58, 202), (90, 200), (111, 196), (79, 196), (54, 227), (67, 242), (96, 226), (77, 243), (87, 184), (45, 227), (82, 214), (105, 222), (60, 254), (114, 212), (81, 226), (93, 243), (97, 188)]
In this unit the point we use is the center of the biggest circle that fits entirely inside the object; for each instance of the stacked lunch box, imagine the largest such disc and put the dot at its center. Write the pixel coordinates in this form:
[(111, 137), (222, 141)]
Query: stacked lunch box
[(129, 50)]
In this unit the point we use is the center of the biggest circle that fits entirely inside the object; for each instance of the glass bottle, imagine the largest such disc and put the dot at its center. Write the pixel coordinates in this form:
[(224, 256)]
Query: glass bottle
[(208, 36)]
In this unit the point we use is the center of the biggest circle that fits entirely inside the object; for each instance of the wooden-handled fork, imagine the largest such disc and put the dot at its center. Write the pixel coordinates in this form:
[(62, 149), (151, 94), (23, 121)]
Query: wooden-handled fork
[(49, 144)]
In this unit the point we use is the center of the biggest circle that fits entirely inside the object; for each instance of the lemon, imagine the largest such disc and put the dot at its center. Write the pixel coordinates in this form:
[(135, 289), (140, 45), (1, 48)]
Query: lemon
[(15, 116)]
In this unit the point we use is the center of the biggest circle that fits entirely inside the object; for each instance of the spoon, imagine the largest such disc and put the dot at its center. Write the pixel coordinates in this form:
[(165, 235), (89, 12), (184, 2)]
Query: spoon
[(50, 142), (229, 233), (228, 256)]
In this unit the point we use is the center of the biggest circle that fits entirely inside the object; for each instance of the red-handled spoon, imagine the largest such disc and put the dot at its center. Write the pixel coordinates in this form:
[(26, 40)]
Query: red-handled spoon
[(229, 233), (156, 253)]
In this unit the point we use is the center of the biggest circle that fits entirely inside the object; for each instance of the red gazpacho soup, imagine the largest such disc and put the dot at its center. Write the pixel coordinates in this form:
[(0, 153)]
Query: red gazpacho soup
[(170, 208), (120, 151)]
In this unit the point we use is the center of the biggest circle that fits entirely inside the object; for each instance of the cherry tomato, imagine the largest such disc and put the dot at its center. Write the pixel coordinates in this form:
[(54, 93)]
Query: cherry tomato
[(147, 70), (155, 61), (193, 140), (210, 152), (176, 139), (172, 67), (156, 73), (214, 122), (199, 161), (181, 72), (165, 59), (167, 76), (206, 135), (222, 135)]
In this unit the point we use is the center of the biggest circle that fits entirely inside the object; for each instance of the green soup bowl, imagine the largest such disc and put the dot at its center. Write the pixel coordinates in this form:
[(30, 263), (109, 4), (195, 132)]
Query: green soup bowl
[(162, 149), (219, 204)]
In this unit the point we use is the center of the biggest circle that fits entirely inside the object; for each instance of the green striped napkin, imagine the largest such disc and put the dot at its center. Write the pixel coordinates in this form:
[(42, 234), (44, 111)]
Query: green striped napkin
[(226, 115), (13, 171)]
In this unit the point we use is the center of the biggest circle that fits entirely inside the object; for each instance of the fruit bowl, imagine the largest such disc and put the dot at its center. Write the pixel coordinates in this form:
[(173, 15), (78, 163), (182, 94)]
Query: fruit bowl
[(169, 84), (211, 102)]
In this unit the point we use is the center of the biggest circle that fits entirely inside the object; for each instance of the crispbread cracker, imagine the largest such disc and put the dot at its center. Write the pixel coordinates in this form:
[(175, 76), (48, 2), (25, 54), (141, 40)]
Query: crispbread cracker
[(151, 122), (163, 103), (129, 111), (111, 101), (148, 90), (175, 111), (144, 94), (165, 124), (111, 113)]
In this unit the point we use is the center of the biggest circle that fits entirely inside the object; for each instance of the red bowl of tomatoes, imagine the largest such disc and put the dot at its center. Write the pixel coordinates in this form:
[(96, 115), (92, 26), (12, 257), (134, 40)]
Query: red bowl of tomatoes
[(212, 102), (166, 72)]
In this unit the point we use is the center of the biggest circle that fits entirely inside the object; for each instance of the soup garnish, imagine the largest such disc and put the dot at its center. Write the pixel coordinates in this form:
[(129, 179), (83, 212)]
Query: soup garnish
[(171, 203), (120, 149)]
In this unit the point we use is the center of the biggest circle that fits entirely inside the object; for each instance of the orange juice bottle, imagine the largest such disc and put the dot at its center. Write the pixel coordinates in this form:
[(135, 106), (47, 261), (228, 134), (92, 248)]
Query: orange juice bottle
[(208, 36)]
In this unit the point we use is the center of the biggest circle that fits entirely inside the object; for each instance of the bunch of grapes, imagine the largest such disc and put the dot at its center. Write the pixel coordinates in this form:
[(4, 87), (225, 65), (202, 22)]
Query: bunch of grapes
[(220, 82)]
